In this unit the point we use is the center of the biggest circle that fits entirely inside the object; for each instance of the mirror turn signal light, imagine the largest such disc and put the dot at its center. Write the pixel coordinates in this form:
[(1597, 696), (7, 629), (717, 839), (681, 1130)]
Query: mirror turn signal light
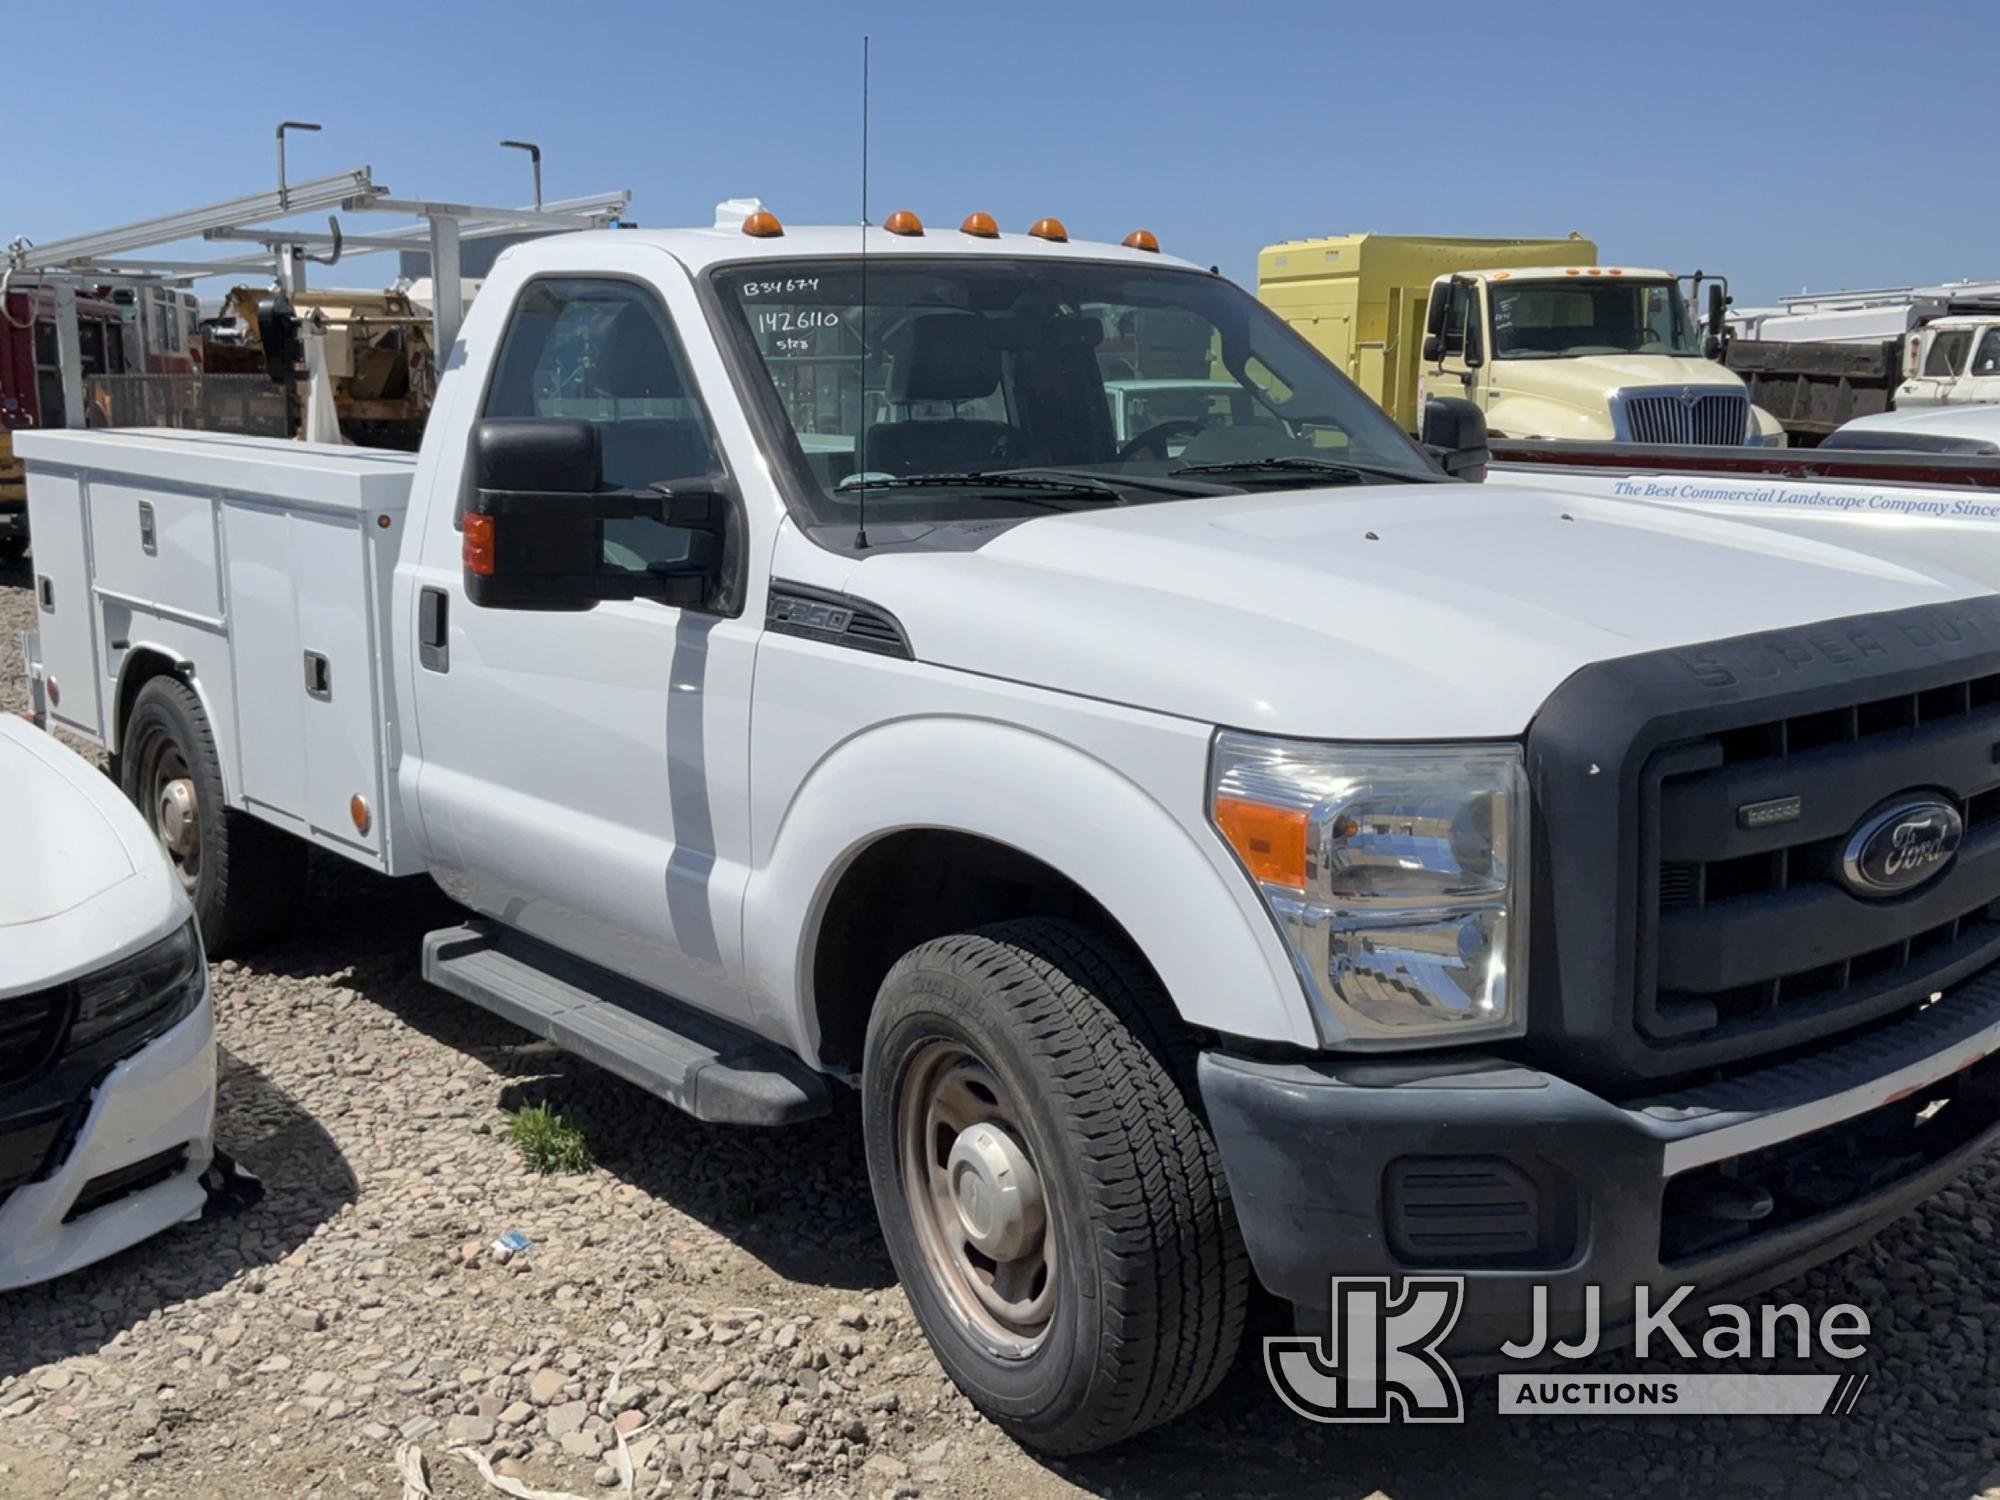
[(1271, 841), (763, 225), (1142, 239), (902, 221), (479, 546), (980, 225), (1050, 229)]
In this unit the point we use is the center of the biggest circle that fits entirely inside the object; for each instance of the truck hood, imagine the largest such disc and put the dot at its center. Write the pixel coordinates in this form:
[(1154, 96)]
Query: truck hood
[(84, 881), (1587, 383), (1399, 613)]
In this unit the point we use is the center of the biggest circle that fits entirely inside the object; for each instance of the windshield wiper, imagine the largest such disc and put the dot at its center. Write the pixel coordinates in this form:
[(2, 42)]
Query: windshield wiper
[(1301, 464), (1158, 483), (1095, 491)]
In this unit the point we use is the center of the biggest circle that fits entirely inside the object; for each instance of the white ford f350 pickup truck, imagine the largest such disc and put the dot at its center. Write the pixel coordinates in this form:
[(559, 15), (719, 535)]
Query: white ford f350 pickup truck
[(1239, 850)]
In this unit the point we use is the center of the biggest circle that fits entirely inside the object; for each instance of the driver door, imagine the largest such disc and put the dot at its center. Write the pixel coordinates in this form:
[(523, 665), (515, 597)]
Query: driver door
[(584, 774)]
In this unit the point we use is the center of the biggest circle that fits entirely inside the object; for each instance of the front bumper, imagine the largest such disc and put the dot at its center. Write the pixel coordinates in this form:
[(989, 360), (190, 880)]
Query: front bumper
[(146, 1136), (1515, 1178)]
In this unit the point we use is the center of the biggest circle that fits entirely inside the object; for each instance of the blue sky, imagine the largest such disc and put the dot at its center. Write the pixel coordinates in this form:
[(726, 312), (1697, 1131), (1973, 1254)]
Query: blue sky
[(1784, 145)]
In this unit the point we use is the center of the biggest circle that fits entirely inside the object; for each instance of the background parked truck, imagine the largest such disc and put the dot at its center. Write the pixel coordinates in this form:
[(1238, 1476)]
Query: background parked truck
[(1547, 343), (1819, 360)]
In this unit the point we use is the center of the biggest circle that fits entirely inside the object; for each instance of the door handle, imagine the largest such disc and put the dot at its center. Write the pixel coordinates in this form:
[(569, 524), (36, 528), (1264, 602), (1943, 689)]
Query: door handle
[(433, 629)]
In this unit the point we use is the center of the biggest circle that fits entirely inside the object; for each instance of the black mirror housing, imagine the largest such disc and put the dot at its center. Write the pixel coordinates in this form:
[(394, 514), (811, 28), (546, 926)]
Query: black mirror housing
[(549, 455), (1433, 348), (1434, 311), (534, 523), (1455, 432)]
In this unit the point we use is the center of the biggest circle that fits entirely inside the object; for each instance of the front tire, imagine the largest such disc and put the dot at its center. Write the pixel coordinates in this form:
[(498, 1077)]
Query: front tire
[(243, 876), (1051, 1196)]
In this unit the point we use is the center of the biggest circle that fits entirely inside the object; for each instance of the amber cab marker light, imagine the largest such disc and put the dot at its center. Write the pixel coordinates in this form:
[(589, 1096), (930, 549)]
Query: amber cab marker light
[(1142, 239), (762, 225), (1271, 841), (981, 225), (479, 546), (902, 221), (1050, 229), (357, 809)]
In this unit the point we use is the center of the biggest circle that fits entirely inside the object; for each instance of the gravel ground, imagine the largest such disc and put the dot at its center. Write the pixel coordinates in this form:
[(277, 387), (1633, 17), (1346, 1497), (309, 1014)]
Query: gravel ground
[(722, 1297)]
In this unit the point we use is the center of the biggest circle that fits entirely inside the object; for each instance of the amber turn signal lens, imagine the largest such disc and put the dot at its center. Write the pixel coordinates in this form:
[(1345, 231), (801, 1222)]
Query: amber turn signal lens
[(357, 809), (981, 225), (902, 221), (1050, 229), (1271, 841), (763, 225), (479, 546), (1142, 239)]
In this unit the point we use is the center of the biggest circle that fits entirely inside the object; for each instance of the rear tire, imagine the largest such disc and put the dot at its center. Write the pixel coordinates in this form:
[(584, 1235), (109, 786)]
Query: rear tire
[(1027, 1092), (12, 550), (243, 876)]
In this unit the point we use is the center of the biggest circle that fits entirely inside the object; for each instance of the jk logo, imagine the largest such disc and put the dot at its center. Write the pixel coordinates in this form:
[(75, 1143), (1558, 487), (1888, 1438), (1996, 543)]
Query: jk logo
[(1379, 1361)]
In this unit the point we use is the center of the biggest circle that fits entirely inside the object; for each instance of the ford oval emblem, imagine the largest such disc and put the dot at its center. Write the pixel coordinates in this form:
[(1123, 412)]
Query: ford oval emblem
[(1900, 847)]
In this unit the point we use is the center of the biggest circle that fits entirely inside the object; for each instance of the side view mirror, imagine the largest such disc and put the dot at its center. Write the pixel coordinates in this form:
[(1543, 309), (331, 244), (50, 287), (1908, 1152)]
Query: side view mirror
[(1718, 305), (534, 522), (1434, 310), (1433, 348), (1455, 433), (1475, 348)]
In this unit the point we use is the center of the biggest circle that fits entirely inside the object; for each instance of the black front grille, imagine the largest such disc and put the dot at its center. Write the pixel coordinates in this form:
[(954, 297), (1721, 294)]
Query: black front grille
[(1750, 923), (1692, 807), (29, 1027)]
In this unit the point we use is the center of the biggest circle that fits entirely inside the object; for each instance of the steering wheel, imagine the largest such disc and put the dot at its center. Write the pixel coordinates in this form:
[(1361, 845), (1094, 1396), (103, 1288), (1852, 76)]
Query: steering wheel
[(1154, 438)]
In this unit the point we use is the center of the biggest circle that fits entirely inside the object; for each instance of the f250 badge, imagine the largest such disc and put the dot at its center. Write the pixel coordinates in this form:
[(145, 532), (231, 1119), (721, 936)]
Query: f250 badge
[(1901, 847)]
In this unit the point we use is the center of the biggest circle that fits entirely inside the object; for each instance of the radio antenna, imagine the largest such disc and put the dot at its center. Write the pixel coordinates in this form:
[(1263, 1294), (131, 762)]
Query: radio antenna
[(861, 437)]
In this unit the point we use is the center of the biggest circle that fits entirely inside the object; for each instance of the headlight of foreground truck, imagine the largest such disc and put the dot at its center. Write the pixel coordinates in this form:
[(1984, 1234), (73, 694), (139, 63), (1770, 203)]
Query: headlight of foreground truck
[(1398, 876)]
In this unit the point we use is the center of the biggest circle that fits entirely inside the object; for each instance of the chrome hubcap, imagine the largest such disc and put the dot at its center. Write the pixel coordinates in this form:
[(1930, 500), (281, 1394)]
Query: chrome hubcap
[(178, 830), (976, 1199)]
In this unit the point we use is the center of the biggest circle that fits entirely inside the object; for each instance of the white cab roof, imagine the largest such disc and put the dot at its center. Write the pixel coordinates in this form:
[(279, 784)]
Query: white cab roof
[(698, 249)]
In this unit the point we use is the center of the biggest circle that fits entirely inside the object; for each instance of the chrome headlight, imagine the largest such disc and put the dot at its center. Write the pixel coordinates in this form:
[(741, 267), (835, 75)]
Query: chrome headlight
[(143, 996), (1398, 876)]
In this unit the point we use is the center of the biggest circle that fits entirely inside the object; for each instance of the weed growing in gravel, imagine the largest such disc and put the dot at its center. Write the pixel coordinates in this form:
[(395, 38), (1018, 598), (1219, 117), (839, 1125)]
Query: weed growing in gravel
[(548, 1142)]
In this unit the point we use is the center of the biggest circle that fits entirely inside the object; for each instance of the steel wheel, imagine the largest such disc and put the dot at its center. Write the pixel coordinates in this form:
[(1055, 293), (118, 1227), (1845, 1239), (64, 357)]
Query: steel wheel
[(976, 1198), (174, 809)]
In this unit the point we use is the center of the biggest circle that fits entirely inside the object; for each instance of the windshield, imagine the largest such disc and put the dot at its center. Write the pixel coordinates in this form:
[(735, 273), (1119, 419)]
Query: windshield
[(1572, 318), (1117, 377)]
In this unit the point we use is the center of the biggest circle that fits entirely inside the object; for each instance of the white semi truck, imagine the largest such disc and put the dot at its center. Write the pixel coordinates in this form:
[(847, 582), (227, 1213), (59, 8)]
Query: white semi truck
[(1232, 849)]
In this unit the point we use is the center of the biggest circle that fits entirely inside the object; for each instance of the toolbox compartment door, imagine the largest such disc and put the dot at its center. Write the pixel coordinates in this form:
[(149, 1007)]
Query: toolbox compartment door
[(65, 613)]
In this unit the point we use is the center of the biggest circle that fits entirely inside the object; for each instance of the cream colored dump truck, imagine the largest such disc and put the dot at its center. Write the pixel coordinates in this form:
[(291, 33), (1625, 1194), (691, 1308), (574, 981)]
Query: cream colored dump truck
[(1546, 341)]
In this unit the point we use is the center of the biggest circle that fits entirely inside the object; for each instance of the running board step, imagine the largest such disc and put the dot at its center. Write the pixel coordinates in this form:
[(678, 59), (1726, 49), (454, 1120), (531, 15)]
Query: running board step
[(694, 1061)]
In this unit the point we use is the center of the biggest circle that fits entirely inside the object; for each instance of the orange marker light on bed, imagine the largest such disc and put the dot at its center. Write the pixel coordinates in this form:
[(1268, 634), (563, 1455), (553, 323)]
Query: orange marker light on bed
[(1271, 841)]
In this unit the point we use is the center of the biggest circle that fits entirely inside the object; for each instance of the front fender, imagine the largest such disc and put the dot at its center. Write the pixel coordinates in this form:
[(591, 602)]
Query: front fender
[(1174, 889)]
